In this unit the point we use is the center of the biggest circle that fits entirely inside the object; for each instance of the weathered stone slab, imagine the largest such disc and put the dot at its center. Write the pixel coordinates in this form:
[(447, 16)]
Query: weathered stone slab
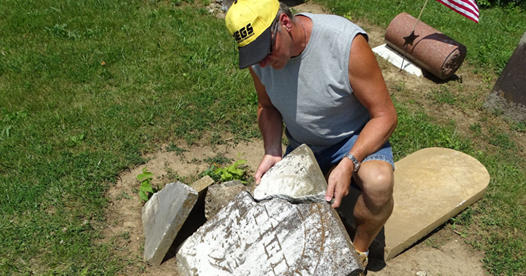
[(219, 195), (202, 183), (512, 82), (272, 237), (162, 217), (296, 175), (431, 186)]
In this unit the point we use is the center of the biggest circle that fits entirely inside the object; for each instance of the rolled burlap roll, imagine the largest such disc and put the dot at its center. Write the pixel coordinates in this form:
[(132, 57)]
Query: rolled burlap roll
[(428, 48)]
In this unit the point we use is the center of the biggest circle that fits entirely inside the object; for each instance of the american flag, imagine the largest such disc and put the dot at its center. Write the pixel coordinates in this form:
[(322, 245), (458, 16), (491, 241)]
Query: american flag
[(467, 8)]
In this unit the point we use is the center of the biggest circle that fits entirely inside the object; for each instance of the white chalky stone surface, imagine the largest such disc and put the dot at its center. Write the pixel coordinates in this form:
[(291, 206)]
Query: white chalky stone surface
[(162, 218), (272, 237), (296, 175)]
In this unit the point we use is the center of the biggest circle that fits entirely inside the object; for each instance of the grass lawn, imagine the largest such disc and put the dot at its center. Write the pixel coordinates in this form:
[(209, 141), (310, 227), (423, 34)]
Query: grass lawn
[(88, 87)]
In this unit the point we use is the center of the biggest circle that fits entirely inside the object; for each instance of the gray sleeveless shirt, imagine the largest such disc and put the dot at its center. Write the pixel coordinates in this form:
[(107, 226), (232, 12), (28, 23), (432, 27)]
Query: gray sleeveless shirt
[(312, 92)]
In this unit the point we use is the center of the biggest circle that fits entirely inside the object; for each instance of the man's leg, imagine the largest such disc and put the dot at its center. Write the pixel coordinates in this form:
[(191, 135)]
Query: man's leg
[(375, 204)]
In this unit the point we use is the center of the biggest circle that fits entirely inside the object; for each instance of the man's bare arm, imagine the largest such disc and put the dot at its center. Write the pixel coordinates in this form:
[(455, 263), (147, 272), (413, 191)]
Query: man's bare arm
[(369, 88), (271, 127)]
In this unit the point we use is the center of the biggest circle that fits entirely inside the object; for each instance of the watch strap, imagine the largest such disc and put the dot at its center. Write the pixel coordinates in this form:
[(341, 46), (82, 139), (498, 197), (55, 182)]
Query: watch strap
[(354, 161)]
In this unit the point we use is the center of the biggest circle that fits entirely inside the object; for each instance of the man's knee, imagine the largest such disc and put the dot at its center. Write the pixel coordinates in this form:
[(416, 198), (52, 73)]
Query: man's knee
[(377, 181)]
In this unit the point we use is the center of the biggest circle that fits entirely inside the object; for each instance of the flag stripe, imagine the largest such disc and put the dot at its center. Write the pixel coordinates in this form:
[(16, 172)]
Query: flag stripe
[(467, 8), (468, 4), (460, 6), (465, 5), (461, 9)]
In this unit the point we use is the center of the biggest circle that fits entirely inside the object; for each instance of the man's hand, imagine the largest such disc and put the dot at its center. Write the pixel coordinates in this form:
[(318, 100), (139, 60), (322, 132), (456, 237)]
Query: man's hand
[(339, 182), (266, 163)]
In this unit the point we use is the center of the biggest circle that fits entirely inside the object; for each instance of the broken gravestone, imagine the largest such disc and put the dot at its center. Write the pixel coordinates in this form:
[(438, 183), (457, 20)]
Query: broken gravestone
[(219, 195), (274, 236), (509, 92), (296, 176), (162, 217)]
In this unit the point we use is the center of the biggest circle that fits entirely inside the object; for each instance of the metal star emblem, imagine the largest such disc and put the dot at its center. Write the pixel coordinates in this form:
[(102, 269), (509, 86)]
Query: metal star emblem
[(410, 38)]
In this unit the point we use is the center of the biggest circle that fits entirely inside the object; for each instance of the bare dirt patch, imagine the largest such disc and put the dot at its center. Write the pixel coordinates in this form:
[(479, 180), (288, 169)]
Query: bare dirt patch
[(124, 230), (445, 255)]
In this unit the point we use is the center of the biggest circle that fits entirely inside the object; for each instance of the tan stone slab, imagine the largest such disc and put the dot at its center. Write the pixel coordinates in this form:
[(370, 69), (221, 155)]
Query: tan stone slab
[(431, 186), (202, 183)]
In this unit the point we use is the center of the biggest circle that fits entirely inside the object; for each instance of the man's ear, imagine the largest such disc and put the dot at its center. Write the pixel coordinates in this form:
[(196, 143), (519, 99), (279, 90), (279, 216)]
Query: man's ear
[(285, 21)]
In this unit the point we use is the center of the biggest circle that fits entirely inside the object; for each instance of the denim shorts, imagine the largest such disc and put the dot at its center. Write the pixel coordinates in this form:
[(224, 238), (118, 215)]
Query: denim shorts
[(330, 156)]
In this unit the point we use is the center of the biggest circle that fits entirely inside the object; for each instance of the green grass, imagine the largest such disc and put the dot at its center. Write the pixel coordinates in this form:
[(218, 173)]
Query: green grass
[(443, 96), (87, 87), (490, 43), (416, 130)]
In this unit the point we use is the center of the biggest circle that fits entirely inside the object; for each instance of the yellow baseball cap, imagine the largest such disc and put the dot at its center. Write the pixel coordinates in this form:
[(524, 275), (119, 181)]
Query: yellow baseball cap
[(249, 21)]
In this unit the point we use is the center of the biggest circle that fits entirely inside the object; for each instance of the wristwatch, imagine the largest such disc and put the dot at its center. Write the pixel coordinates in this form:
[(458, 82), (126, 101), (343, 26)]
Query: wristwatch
[(354, 161)]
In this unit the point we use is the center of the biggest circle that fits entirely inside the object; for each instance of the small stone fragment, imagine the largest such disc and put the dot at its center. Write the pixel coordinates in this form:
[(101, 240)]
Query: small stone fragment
[(162, 218), (202, 183)]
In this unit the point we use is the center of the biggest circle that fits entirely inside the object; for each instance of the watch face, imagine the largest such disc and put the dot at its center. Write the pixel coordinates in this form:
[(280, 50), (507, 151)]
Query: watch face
[(355, 162), (357, 166)]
